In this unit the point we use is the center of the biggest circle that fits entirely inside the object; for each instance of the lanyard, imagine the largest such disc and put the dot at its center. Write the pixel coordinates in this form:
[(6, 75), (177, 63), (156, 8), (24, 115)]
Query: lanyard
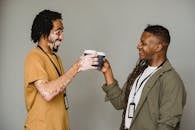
[(51, 60), (132, 105), (59, 74), (136, 90)]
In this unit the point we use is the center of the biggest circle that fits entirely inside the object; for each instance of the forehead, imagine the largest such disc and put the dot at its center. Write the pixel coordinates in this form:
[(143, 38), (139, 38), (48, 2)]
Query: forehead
[(149, 37), (57, 24)]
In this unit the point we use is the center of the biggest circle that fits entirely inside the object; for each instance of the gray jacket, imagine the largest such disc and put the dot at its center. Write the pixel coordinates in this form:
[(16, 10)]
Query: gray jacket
[(161, 103)]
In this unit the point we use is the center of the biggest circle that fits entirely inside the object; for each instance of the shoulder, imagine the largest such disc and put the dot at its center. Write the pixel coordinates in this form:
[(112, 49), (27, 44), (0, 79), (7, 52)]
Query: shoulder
[(34, 55), (170, 77), (169, 72)]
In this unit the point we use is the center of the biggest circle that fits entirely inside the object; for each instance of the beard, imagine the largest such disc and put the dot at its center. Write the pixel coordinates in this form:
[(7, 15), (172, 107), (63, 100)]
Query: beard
[(54, 43), (142, 62), (55, 49)]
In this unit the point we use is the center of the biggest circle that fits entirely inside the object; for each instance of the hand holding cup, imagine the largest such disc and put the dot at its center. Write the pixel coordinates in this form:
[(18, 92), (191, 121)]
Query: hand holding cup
[(100, 56), (88, 61)]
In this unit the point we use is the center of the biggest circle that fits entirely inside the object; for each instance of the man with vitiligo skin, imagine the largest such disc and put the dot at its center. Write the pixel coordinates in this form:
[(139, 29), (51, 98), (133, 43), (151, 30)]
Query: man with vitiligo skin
[(44, 77)]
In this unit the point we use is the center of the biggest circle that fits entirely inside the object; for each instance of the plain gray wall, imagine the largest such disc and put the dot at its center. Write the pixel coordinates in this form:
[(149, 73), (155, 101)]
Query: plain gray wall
[(112, 26)]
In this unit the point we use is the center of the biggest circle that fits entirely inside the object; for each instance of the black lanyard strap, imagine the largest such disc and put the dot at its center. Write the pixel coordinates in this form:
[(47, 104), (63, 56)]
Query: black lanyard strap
[(136, 90), (59, 74)]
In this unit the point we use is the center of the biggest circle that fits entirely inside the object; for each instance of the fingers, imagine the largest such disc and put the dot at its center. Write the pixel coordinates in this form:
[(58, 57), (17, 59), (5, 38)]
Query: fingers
[(88, 62), (93, 61), (92, 68), (91, 55), (106, 65)]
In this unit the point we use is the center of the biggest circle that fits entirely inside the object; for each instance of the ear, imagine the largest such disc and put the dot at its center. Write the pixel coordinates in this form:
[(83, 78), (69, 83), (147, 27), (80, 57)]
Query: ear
[(159, 47)]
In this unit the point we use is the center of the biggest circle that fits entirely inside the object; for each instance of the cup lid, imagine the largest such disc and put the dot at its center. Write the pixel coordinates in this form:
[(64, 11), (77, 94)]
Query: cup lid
[(101, 53), (89, 51)]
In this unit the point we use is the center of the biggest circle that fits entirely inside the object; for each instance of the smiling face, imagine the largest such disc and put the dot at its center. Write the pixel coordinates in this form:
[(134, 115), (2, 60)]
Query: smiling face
[(56, 35), (148, 46)]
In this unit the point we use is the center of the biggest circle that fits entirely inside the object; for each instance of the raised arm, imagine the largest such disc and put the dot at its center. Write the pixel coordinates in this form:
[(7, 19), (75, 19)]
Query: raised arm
[(49, 89)]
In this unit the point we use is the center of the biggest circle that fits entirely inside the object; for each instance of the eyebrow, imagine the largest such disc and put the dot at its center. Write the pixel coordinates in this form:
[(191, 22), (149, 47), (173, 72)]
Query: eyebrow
[(59, 28)]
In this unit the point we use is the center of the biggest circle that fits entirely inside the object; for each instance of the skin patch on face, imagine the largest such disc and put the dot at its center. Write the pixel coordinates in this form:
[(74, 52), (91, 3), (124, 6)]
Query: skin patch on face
[(54, 42), (56, 35)]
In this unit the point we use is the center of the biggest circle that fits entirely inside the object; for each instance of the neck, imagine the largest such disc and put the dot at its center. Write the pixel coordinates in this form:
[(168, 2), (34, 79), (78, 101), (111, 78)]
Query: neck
[(45, 47), (157, 62)]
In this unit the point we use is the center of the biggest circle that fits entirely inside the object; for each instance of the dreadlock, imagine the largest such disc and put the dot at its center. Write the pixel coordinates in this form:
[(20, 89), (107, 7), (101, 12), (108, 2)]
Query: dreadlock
[(139, 68)]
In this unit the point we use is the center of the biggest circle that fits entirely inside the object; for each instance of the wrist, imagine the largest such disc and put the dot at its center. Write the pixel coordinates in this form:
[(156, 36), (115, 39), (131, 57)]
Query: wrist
[(73, 70), (109, 77), (77, 66)]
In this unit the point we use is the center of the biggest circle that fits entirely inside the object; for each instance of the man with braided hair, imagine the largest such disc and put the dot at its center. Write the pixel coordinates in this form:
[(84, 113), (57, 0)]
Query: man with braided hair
[(44, 77), (153, 96)]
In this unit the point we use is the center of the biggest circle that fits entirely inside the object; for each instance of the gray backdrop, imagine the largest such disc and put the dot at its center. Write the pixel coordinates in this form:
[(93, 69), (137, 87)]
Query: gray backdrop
[(112, 26)]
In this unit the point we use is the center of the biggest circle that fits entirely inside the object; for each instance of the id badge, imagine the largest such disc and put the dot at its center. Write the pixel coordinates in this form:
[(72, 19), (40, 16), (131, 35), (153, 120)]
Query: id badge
[(66, 101), (131, 110)]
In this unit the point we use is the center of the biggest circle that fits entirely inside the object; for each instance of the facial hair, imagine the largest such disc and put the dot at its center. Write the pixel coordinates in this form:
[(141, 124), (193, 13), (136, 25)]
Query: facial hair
[(54, 45), (54, 42), (142, 62)]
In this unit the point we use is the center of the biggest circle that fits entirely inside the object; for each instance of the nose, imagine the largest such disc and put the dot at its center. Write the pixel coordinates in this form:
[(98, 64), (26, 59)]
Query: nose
[(139, 45), (61, 36)]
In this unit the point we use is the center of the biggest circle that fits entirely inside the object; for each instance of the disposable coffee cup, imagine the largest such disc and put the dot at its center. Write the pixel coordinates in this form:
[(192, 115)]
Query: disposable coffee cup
[(101, 56), (88, 52)]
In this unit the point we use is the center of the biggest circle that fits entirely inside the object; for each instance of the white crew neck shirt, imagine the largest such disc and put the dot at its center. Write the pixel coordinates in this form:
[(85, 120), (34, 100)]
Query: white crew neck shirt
[(140, 81)]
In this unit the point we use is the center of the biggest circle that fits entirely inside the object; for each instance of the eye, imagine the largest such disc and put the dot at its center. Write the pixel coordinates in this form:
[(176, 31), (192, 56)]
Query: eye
[(58, 32), (143, 43)]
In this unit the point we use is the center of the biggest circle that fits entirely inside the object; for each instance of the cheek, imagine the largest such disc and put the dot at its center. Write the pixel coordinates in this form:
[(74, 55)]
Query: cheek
[(149, 53), (146, 51), (52, 37)]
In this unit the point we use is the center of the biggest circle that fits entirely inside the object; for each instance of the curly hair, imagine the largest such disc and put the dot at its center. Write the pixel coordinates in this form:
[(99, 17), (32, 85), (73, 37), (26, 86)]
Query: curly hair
[(43, 23), (160, 32)]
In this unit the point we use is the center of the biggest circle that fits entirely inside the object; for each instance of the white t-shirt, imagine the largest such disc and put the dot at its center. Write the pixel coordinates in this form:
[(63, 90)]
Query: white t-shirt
[(137, 91)]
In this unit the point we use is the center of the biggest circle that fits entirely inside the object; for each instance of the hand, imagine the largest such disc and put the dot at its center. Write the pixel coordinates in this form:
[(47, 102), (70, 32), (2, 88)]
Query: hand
[(107, 71), (88, 62), (106, 66)]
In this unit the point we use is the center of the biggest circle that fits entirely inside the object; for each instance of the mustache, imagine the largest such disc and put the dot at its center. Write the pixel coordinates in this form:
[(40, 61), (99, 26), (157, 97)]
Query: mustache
[(57, 40)]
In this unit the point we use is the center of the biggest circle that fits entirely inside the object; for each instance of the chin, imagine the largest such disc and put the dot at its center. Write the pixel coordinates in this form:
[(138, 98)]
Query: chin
[(142, 58), (55, 50)]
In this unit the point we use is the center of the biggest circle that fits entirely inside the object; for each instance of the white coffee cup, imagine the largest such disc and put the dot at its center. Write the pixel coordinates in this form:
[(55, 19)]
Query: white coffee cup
[(101, 56)]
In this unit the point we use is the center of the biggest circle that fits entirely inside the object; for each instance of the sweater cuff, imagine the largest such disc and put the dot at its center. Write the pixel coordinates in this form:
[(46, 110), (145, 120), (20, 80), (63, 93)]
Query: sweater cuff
[(106, 87), (112, 91)]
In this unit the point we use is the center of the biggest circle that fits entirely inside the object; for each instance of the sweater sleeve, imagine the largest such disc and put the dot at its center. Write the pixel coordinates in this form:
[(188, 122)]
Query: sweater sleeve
[(172, 101), (114, 94)]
